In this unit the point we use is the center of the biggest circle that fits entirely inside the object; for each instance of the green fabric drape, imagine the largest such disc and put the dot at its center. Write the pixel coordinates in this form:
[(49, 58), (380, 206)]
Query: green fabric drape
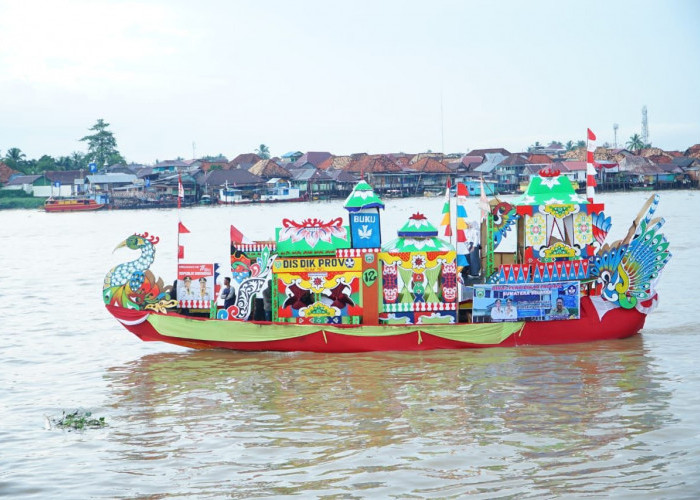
[(241, 331), (405, 297), (432, 276)]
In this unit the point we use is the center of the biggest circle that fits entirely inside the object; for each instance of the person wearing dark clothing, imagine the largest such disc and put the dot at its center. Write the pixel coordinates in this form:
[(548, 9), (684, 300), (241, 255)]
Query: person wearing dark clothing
[(267, 301), (229, 294)]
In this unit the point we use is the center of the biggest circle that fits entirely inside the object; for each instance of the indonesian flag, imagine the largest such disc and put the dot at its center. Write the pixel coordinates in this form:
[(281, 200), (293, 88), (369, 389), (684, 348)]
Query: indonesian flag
[(446, 216), (237, 237), (180, 191), (181, 229), (590, 167)]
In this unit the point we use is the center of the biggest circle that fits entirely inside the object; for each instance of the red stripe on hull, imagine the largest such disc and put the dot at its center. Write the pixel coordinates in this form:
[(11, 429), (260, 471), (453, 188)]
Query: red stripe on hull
[(616, 324), (77, 207)]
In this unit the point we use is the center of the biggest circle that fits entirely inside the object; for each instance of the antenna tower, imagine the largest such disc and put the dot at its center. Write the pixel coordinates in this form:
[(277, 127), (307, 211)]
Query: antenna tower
[(615, 127), (645, 126)]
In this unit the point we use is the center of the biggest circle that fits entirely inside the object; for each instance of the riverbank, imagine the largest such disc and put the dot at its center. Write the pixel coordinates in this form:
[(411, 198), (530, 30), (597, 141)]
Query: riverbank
[(19, 199)]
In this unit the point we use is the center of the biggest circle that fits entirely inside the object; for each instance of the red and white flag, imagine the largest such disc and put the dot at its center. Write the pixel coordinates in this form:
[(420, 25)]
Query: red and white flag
[(238, 237), (180, 191), (590, 166), (181, 229)]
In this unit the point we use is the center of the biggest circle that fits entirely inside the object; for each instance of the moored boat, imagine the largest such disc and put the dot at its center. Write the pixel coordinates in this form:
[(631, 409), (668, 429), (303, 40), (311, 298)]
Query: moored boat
[(78, 204), (544, 276)]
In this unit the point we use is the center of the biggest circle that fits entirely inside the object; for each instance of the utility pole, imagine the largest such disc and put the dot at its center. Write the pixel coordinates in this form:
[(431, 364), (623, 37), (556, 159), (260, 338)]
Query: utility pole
[(645, 127), (615, 127)]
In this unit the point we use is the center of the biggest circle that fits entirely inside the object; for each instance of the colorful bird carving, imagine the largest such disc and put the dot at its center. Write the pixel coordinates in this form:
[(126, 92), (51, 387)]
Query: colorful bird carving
[(601, 226), (504, 217), (628, 269), (132, 284)]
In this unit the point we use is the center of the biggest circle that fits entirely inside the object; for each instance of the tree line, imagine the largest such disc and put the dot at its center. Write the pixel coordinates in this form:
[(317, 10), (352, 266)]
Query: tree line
[(635, 144), (102, 150)]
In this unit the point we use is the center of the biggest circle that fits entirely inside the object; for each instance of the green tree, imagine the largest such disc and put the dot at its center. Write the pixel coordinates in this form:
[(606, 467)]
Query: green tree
[(15, 158), (102, 146), (635, 143), (77, 160), (581, 144), (263, 152), (45, 163), (570, 146)]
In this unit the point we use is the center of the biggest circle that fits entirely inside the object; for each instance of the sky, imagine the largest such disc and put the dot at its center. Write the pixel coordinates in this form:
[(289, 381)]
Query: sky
[(187, 79)]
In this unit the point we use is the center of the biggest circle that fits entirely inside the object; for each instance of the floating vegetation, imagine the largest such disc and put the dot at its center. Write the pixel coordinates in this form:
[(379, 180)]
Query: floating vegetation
[(78, 420)]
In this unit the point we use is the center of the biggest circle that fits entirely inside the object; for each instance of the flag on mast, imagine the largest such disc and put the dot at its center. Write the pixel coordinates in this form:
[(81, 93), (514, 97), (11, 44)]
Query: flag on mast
[(462, 247), (446, 215), (180, 191), (590, 166)]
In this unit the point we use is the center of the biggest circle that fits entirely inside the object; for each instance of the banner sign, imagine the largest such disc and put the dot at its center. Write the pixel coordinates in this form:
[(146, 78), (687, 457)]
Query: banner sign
[(195, 285), (317, 264), (365, 230), (526, 302)]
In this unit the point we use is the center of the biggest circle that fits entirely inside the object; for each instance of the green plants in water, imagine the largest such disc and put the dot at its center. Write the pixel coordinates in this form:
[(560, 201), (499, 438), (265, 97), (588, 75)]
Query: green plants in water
[(78, 420)]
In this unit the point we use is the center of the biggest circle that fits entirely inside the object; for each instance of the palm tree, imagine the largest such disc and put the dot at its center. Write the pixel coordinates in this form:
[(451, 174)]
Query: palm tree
[(635, 143), (15, 154), (570, 146), (263, 152)]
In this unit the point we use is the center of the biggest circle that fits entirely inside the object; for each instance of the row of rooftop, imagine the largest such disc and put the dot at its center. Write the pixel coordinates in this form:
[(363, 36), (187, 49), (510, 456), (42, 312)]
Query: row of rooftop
[(322, 174)]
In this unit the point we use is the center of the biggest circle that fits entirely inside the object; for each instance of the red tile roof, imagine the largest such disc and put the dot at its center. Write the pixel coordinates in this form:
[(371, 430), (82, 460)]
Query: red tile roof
[(571, 166), (6, 172), (539, 159), (374, 164), (268, 169), (244, 158), (430, 165)]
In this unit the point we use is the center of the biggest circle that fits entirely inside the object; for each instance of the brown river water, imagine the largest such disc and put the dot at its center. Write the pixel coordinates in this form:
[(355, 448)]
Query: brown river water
[(616, 418)]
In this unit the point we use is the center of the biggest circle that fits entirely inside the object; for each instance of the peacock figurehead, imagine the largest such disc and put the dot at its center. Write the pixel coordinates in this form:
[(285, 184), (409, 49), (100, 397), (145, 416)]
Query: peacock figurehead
[(132, 284), (628, 269)]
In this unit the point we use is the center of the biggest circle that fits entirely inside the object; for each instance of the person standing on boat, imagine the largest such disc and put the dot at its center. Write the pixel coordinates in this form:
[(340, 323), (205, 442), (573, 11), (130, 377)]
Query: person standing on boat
[(267, 301), (229, 294)]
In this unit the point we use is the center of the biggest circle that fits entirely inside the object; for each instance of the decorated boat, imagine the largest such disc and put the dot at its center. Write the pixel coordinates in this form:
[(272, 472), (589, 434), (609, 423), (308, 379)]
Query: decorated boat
[(531, 272)]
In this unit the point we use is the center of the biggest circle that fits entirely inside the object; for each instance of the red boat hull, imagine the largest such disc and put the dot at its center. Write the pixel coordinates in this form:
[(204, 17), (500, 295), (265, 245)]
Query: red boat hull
[(72, 205), (615, 324)]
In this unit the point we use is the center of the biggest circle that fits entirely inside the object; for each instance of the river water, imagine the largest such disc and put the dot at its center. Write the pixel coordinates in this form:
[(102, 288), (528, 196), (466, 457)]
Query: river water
[(617, 418)]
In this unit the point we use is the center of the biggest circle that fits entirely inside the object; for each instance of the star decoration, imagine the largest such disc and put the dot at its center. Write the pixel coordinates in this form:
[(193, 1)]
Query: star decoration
[(550, 182), (553, 201)]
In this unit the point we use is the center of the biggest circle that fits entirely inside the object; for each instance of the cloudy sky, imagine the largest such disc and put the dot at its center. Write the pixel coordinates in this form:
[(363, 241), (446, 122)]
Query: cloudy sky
[(361, 76)]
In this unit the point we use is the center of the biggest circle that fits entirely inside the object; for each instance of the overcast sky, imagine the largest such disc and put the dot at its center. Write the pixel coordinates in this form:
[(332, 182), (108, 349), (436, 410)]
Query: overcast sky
[(359, 76)]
